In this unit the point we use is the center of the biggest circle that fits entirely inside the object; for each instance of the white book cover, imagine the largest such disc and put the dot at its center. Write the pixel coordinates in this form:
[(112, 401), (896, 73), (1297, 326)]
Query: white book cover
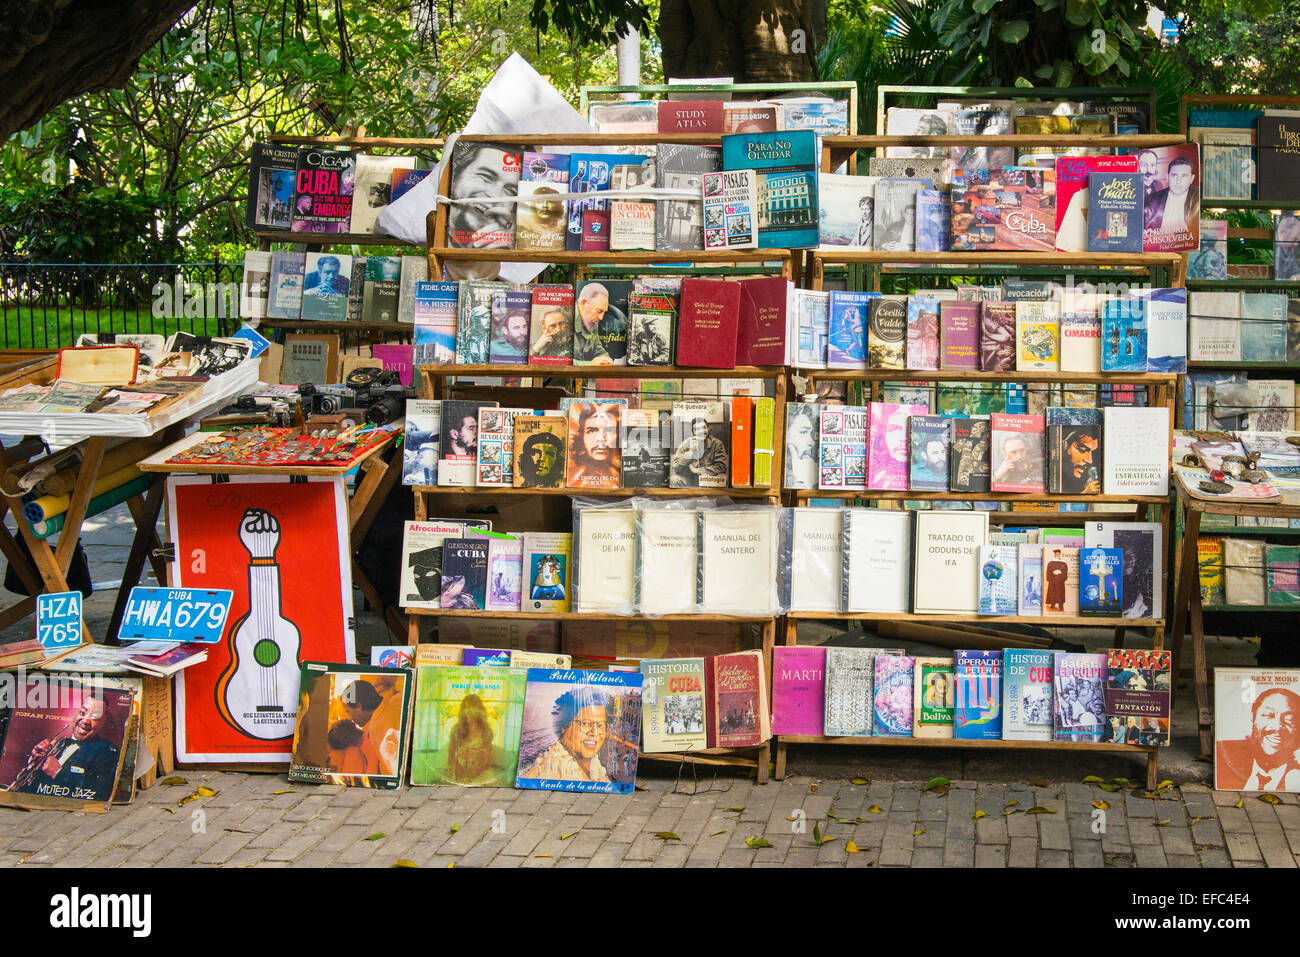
[(1166, 330), (815, 559), (1272, 405), (842, 449), (802, 422), (1144, 563), (255, 289), (846, 210), (668, 560), (605, 544), (372, 188), (1029, 576), (946, 574), (1136, 456), (738, 558), (1081, 332), (811, 311), (414, 269), (420, 442), (877, 573), (1214, 329), (420, 585)]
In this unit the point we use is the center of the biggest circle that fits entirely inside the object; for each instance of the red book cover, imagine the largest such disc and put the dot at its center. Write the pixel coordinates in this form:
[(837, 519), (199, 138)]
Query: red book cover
[(738, 693), (710, 322), (742, 440), (959, 335), (1016, 453), (764, 307), (710, 706), (690, 116)]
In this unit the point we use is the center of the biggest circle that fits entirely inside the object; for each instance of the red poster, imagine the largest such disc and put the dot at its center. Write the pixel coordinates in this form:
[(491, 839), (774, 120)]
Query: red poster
[(282, 548)]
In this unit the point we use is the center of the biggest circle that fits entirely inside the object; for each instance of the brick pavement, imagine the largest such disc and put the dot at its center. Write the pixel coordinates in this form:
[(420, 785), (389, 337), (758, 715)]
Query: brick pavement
[(728, 821)]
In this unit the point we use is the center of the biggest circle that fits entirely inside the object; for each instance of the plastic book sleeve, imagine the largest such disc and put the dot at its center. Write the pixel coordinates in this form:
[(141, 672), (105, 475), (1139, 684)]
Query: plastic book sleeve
[(668, 550), (811, 562), (604, 557), (740, 570)]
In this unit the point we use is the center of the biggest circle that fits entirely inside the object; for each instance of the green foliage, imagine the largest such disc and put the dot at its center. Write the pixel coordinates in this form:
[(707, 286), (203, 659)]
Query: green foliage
[(79, 223), (1246, 46)]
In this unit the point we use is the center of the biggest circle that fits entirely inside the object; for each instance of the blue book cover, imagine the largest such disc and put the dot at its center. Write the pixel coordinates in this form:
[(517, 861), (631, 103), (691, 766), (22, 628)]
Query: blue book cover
[(435, 322), (1101, 581), (1123, 335), (928, 437), (476, 657), (1166, 330), (846, 346), (1263, 327), (1224, 119), (1027, 687), (588, 219), (997, 582), (978, 710), (933, 221), (786, 163), (1114, 212)]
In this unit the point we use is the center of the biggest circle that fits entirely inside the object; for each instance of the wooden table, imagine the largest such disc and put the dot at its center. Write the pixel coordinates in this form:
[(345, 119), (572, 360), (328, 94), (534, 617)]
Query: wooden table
[(1187, 593), (375, 482)]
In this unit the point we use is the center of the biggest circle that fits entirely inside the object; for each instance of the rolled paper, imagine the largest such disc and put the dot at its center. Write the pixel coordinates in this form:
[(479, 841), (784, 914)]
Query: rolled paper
[(99, 503), (47, 506)]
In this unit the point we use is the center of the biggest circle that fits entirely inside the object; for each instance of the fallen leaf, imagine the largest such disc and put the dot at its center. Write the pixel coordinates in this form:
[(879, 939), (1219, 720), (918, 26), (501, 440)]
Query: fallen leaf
[(240, 830), (980, 814), (852, 848), (737, 809), (1038, 784), (1205, 757), (757, 842), (819, 838), (541, 855), (1012, 803), (875, 809), (565, 837), (1092, 779), (1101, 805), (1196, 820), (1164, 784), (453, 864), (858, 781), (377, 836), (1270, 799), (716, 833), (667, 836), (286, 791), (187, 799), (455, 828), (1041, 810), (1238, 804), (170, 781), (170, 810), (1122, 782), (792, 819), (935, 784), (918, 832), (405, 863), (1108, 787), (1165, 823), (1009, 811), (206, 792)]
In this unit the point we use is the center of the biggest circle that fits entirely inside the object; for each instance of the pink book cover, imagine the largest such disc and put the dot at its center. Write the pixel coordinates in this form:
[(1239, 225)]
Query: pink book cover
[(399, 358), (1016, 453), (887, 462), (959, 335), (798, 690)]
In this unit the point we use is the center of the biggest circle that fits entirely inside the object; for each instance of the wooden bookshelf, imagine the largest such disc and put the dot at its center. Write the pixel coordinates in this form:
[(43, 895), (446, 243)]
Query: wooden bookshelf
[(963, 375), (919, 496), (603, 372), (584, 616), (269, 236), (1047, 621), (403, 328), (893, 95), (489, 491)]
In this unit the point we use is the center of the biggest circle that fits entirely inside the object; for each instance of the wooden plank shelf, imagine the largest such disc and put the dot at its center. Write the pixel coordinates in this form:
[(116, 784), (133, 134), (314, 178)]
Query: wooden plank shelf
[(1099, 621), (916, 495), (604, 372), (490, 490), (979, 745), (1288, 609), (1245, 364), (1277, 204), (406, 328), (1242, 283), (589, 257), (1246, 530), (584, 616), (1059, 140), (977, 257), (967, 375), (332, 239)]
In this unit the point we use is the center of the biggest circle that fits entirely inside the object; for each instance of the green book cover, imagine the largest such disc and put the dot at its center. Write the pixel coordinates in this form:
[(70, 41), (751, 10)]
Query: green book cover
[(467, 725), (1283, 574)]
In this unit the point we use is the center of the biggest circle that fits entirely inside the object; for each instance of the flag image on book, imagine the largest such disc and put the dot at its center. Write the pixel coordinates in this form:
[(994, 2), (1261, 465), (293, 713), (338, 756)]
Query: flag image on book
[(1017, 453), (672, 698), (997, 570), (786, 164), (1079, 699), (594, 460), (581, 731), (1027, 695), (1101, 588), (550, 337), (888, 458), (322, 194), (929, 440), (1138, 691), (798, 689), (933, 697), (893, 696), (978, 710), (466, 725), (352, 728), (843, 447), (922, 346)]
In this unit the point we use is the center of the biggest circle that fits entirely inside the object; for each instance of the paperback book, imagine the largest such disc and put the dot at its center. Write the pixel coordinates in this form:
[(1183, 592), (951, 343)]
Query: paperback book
[(978, 710), (1079, 682), (1138, 691), (933, 697), (843, 447), (892, 695), (1027, 692)]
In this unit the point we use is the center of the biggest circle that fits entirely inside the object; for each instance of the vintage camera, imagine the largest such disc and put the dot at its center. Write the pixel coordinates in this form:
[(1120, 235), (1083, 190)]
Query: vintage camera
[(327, 399)]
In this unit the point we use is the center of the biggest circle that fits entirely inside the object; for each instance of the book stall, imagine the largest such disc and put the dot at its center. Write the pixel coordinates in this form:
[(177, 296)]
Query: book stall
[(650, 459)]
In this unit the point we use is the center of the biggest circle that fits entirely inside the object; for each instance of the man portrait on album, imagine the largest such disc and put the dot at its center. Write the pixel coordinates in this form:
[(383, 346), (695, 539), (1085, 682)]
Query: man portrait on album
[(1268, 759), (85, 761)]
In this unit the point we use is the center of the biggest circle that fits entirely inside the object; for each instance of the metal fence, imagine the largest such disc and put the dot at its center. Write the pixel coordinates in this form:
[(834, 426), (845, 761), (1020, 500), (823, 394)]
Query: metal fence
[(49, 305)]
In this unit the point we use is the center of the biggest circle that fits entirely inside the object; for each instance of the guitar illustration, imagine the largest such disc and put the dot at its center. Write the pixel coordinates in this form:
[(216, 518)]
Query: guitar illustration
[(258, 691)]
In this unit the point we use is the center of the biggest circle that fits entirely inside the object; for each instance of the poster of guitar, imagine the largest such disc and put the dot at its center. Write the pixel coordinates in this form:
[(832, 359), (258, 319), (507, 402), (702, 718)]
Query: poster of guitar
[(282, 548)]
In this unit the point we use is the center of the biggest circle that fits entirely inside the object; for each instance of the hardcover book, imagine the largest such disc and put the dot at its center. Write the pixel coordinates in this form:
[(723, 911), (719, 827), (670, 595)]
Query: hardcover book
[(672, 701), (997, 583), (605, 546), (330, 750), (929, 439), (922, 347), (1074, 451), (786, 164), (798, 690), (680, 221), (540, 451), (1115, 212), (1137, 451), (1060, 580), (997, 336), (594, 456), (946, 574), (968, 462), (1101, 588), (886, 332), (959, 335), (847, 339), (843, 447), (541, 222), (1138, 692), (466, 725), (709, 325), (270, 186), (322, 193), (764, 321), (1276, 168), (978, 710), (1079, 698), (877, 556), (1027, 695), (690, 116), (546, 563), (1124, 335), (737, 688), (933, 697), (887, 462), (892, 695), (1017, 453)]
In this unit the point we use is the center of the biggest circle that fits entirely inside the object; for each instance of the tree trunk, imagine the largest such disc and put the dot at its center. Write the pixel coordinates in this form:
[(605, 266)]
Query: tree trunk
[(752, 41), (53, 50)]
